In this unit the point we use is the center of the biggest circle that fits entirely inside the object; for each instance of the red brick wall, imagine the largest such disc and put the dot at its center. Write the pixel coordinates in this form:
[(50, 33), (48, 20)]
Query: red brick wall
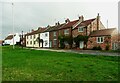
[(52, 37), (75, 32), (93, 42), (61, 32)]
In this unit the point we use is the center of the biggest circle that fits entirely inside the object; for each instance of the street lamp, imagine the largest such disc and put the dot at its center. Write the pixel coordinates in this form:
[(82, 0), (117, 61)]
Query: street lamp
[(13, 22)]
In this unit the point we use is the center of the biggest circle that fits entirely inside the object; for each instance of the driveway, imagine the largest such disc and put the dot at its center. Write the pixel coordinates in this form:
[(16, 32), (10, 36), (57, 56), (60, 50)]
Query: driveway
[(92, 52)]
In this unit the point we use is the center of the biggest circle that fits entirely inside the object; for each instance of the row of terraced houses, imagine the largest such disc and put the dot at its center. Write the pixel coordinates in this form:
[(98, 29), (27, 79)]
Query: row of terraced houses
[(98, 35)]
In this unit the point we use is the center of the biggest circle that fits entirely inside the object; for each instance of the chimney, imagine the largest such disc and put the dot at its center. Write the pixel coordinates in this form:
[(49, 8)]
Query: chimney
[(67, 20), (58, 23), (39, 28), (98, 20), (32, 30), (81, 18)]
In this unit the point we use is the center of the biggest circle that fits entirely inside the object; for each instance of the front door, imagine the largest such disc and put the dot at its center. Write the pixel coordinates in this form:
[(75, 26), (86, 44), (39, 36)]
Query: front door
[(81, 44)]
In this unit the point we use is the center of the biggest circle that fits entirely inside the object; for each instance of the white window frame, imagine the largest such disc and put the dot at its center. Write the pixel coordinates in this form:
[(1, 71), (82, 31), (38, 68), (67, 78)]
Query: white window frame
[(66, 31), (81, 29), (100, 39)]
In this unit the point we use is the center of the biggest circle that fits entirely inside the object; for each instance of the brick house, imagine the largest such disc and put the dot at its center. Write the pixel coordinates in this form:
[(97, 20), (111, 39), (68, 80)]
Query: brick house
[(53, 35), (86, 27), (103, 38), (66, 29), (33, 38)]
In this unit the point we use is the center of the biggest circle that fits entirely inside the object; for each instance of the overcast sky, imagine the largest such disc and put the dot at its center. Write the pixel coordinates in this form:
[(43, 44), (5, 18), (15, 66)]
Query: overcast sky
[(31, 15)]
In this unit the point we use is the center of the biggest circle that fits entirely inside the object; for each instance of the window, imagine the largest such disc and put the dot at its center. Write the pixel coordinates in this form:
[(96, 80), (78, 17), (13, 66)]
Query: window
[(66, 43), (100, 39), (46, 42), (27, 37), (34, 36), (66, 31), (46, 34), (34, 42), (54, 33), (27, 41), (80, 29), (55, 42), (30, 42), (31, 37)]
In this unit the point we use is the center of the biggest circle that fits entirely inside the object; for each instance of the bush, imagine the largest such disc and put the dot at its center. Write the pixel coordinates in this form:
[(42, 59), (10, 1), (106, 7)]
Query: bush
[(96, 48), (99, 48), (107, 47)]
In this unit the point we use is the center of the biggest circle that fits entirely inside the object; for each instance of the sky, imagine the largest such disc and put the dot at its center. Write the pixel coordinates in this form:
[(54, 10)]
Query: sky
[(31, 15)]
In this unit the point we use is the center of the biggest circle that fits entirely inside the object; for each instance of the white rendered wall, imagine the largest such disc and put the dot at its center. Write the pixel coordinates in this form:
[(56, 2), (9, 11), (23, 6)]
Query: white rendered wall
[(45, 39)]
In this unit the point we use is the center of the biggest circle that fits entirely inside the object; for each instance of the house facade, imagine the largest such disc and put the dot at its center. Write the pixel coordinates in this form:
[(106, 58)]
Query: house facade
[(12, 39), (45, 38), (98, 35), (66, 29), (33, 38), (86, 27), (53, 35), (103, 38)]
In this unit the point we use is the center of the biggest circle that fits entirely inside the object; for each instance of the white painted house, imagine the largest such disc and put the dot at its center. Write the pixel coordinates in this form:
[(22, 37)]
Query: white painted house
[(9, 39), (45, 37), (33, 38)]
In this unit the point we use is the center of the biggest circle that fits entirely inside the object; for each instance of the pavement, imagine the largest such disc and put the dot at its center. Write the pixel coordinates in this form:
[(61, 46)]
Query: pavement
[(91, 52)]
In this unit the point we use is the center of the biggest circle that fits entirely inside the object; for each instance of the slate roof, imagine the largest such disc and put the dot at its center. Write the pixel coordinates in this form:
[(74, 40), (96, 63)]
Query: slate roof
[(85, 23), (103, 32), (69, 24), (54, 28), (9, 37), (40, 30)]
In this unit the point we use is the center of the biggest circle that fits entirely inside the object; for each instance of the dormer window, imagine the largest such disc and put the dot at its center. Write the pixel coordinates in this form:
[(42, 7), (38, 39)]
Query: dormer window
[(80, 29)]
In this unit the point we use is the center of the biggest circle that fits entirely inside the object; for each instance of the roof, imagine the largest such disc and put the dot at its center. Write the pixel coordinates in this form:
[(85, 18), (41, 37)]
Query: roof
[(69, 24), (85, 23), (9, 37), (40, 30), (54, 28), (103, 32)]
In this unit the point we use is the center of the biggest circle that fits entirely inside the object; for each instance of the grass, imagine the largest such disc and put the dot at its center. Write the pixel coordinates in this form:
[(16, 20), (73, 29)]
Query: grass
[(34, 65)]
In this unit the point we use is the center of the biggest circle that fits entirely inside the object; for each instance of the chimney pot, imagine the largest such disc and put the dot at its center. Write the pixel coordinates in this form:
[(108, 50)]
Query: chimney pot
[(67, 20)]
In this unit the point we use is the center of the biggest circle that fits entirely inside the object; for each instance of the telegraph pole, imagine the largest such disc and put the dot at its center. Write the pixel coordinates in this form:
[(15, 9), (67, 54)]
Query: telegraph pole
[(13, 22)]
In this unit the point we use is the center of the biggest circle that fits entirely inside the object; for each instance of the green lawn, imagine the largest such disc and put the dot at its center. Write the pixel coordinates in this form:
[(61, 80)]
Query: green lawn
[(33, 65)]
